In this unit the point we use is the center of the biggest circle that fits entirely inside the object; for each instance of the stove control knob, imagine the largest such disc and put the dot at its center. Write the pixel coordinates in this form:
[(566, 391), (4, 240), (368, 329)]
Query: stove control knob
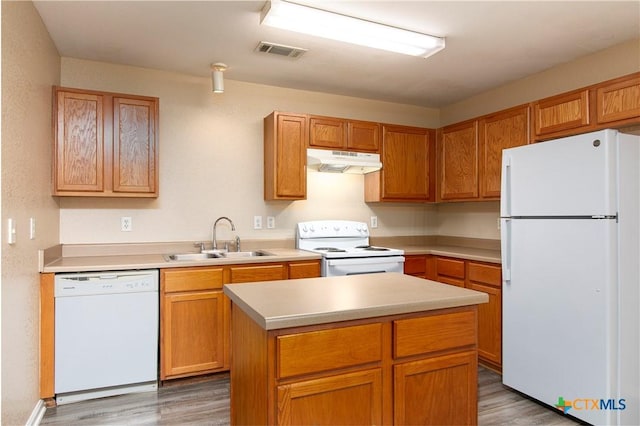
[(311, 228), (336, 228), (304, 228)]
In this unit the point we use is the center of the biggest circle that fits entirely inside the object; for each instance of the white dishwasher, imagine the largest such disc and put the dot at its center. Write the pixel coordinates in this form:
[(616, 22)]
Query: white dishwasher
[(106, 334)]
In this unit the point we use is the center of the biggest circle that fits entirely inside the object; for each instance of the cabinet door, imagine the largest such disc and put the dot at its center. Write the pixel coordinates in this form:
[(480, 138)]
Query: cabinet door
[(135, 145), (326, 132), (415, 265), (450, 271), (245, 274), (309, 269), (407, 164), (345, 399), (568, 111), (285, 156), (79, 152), (503, 130), (619, 100), (458, 162), (193, 333), (437, 391), (363, 136), (488, 279)]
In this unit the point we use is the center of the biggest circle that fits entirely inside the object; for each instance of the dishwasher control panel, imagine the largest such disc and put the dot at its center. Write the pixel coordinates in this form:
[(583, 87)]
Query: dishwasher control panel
[(88, 283)]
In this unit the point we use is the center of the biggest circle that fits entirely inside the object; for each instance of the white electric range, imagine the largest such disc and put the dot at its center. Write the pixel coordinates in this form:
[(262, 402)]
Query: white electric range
[(344, 246)]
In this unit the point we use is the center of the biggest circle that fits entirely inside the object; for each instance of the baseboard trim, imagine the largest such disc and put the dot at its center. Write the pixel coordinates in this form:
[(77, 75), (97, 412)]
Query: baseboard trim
[(37, 414)]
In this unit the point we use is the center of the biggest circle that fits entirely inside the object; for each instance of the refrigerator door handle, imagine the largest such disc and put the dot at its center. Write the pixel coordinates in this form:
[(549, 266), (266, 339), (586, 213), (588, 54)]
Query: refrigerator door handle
[(505, 186), (505, 247)]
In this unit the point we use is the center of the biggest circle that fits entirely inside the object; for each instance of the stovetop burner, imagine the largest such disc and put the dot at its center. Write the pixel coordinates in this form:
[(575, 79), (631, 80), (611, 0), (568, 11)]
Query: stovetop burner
[(372, 248), (330, 249)]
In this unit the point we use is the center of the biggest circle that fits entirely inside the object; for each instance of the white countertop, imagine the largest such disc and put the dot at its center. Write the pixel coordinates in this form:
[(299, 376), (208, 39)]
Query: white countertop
[(309, 301)]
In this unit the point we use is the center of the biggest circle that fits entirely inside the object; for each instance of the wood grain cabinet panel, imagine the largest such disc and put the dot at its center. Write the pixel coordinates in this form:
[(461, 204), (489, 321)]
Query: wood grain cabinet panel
[(106, 144), (618, 100), (415, 265), (286, 138), (309, 269), (134, 145), (79, 152), (488, 279), (194, 330), (458, 162), (408, 164), (252, 273), (363, 136), (506, 129), (450, 271), (327, 132), (567, 111), (437, 391), (345, 399)]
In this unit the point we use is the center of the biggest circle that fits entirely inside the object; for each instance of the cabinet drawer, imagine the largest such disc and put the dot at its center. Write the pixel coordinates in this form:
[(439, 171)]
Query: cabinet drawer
[(246, 274), (415, 265), (328, 349), (304, 270), (450, 267), (485, 274), (175, 280), (434, 333)]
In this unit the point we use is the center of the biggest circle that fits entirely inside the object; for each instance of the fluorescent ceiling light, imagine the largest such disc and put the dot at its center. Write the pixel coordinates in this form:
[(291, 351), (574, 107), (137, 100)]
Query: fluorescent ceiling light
[(308, 20)]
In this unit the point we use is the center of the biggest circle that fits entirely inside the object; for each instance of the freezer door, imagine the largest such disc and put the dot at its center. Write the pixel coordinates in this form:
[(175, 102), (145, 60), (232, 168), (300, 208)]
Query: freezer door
[(559, 312), (572, 176)]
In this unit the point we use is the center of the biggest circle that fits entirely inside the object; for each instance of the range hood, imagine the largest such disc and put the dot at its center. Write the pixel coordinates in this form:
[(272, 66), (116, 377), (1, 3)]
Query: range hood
[(325, 160)]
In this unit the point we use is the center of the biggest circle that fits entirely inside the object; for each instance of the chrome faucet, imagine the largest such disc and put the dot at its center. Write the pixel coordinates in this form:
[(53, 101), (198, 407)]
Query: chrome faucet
[(213, 232)]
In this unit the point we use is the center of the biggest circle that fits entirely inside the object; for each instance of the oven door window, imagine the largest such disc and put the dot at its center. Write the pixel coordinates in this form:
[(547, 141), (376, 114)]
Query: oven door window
[(362, 265)]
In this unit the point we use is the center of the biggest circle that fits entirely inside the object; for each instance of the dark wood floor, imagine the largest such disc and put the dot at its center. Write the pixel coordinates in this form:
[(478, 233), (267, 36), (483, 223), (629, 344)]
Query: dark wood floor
[(207, 403)]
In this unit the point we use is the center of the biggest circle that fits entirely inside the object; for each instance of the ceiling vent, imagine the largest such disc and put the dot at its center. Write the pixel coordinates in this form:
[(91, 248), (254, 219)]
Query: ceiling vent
[(280, 49)]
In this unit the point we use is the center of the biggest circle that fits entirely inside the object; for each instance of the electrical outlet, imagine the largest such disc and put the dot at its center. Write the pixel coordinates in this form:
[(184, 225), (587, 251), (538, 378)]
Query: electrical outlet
[(126, 224), (257, 222), (271, 222), (374, 221)]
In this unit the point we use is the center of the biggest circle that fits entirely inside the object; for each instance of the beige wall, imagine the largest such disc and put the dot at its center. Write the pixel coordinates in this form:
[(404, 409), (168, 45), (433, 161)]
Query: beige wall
[(211, 162), (30, 66), (604, 65)]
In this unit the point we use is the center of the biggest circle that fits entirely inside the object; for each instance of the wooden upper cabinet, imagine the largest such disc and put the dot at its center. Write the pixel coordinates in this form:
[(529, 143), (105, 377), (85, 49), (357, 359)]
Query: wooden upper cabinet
[(505, 129), (327, 132), (134, 145), (561, 113), (618, 100), (337, 133), (106, 144), (408, 163), (363, 136), (285, 156), (458, 151), (78, 161)]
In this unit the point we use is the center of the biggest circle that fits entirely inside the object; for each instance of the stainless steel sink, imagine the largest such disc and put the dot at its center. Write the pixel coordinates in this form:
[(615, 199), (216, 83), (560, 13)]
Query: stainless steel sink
[(192, 256), (213, 255), (231, 254)]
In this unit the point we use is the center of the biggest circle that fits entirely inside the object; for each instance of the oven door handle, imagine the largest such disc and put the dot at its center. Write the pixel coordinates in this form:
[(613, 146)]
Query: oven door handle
[(365, 260)]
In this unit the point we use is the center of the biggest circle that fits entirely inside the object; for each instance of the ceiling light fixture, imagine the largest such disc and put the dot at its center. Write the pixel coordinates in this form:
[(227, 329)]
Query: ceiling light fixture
[(217, 78), (317, 22)]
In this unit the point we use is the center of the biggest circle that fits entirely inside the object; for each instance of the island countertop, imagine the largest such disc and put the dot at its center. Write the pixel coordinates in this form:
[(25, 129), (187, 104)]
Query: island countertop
[(310, 301)]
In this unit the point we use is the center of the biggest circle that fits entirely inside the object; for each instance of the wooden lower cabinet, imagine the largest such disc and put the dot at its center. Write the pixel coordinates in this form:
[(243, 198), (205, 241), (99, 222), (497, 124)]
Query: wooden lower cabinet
[(195, 314), (437, 391), (479, 276), (193, 324), (344, 399), (418, 368)]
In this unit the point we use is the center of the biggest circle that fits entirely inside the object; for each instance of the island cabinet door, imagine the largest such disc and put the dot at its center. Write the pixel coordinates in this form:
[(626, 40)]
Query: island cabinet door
[(345, 399), (437, 391)]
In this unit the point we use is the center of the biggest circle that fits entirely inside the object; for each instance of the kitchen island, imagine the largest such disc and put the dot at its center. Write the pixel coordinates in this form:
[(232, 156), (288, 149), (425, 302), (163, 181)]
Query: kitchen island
[(364, 349)]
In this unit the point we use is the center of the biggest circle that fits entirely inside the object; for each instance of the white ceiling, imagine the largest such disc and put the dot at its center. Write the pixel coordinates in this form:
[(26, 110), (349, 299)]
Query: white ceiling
[(488, 43)]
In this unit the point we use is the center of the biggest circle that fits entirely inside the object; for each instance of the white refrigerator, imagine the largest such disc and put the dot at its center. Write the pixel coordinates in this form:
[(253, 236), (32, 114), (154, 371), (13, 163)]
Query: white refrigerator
[(571, 253)]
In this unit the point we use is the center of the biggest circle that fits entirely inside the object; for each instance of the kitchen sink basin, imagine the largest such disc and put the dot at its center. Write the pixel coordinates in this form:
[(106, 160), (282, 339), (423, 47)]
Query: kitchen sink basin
[(213, 255), (230, 254), (192, 256)]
